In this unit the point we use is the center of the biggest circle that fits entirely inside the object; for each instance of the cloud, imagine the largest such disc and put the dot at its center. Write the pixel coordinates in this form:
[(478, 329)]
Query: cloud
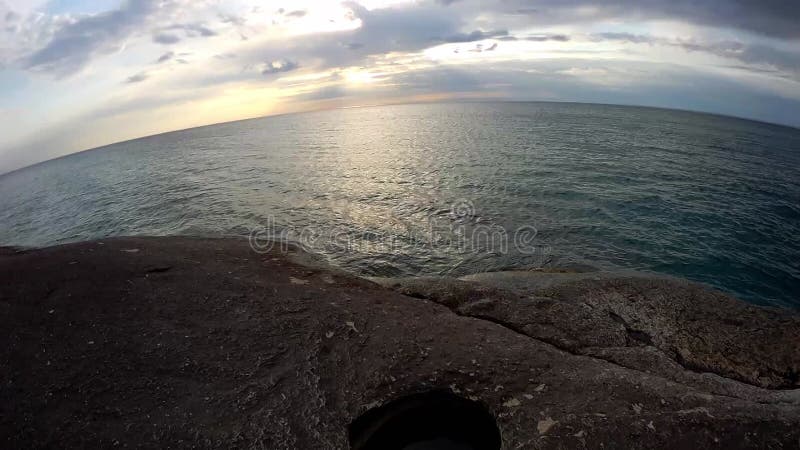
[(138, 78), (761, 54), (167, 35), (76, 42), (745, 53), (592, 72), (323, 93), (377, 32), (238, 21), (477, 35), (166, 38), (411, 28), (774, 18), (627, 37), (407, 28), (278, 66), (480, 49), (296, 14), (193, 29), (537, 38), (165, 57), (547, 37)]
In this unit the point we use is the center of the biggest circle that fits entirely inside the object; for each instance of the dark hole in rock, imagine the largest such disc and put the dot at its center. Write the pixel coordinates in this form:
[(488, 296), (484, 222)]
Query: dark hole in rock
[(437, 420)]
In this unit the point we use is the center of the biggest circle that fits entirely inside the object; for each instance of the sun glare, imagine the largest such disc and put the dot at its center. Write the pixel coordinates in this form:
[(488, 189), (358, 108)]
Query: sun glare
[(360, 77)]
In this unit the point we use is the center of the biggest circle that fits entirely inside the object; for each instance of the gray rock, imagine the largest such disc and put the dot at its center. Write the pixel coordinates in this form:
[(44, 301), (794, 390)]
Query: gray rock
[(224, 350)]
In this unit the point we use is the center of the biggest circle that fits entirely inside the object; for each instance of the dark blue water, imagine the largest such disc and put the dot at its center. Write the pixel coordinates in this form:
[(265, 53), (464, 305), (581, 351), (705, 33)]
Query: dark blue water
[(452, 189)]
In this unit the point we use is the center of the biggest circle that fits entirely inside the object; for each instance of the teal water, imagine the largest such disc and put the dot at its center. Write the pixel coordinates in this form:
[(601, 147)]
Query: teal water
[(427, 189)]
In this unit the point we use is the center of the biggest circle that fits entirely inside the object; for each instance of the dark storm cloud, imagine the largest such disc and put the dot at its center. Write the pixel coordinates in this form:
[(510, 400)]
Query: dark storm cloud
[(75, 43)]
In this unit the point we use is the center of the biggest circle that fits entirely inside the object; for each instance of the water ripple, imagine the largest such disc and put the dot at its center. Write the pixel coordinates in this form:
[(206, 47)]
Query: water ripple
[(705, 197)]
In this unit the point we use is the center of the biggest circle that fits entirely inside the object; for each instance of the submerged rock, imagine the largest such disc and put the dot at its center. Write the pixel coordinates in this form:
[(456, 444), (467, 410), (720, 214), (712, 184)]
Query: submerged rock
[(225, 348)]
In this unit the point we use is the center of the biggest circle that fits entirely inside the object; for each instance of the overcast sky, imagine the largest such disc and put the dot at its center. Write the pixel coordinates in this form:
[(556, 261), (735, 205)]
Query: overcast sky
[(77, 74)]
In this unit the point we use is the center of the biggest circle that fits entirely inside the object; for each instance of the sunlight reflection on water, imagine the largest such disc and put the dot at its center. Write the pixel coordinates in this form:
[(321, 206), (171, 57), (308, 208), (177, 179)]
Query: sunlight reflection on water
[(709, 198)]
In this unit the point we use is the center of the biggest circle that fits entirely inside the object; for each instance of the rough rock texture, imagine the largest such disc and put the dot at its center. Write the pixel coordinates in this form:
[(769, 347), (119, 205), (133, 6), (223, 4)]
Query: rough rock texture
[(660, 325), (188, 342)]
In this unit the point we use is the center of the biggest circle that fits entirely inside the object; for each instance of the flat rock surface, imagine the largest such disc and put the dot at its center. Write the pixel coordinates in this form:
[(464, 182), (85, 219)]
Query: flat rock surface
[(190, 342)]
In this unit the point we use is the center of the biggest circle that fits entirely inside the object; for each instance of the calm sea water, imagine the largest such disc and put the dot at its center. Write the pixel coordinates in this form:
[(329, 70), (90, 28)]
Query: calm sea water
[(408, 190)]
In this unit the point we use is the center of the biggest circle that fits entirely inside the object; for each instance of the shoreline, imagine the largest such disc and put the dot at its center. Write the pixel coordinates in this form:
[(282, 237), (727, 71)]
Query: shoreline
[(202, 342), (304, 256)]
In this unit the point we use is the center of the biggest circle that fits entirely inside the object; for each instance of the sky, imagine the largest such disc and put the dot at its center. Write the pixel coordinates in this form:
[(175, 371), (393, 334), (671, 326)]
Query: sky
[(78, 74)]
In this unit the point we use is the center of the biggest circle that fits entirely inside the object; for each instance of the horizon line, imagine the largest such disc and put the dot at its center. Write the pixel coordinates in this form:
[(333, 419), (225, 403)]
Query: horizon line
[(400, 103)]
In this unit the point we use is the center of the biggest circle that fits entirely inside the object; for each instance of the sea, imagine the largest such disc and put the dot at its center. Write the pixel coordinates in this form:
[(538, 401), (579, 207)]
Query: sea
[(451, 189)]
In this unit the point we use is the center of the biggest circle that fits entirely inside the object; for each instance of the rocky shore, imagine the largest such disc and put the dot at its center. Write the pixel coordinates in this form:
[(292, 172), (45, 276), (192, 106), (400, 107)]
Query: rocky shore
[(203, 343)]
